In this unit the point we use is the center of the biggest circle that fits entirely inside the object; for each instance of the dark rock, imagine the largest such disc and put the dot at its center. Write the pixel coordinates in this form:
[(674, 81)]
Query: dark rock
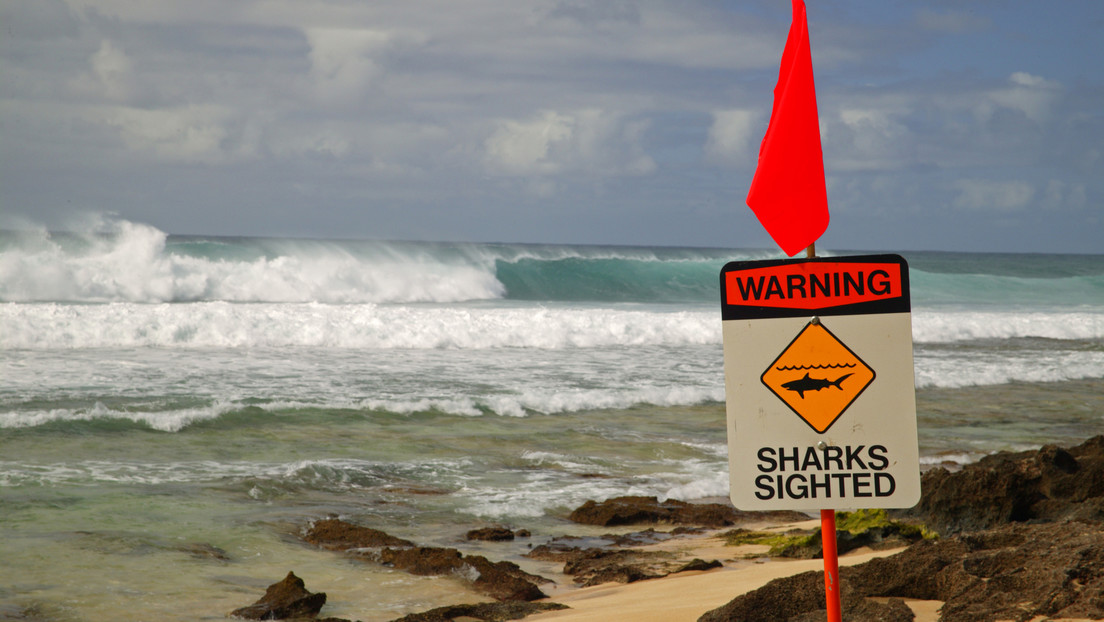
[(423, 560), (780, 600), (618, 573), (649, 510), (800, 598), (612, 559), (504, 581), (1017, 572), (638, 538), (554, 551), (201, 550), (337, 535), (594, 565), (499, 580), (489, 612), (865, 610), (285, 599), (491, 534), (700, 564), (1050, 484)]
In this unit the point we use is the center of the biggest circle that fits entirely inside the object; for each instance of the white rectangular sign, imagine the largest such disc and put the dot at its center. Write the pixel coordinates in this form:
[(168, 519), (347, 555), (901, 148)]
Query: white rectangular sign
[(821, 407)]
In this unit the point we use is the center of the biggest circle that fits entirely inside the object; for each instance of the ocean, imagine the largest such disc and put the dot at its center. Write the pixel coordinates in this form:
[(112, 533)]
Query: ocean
[(175, 409)]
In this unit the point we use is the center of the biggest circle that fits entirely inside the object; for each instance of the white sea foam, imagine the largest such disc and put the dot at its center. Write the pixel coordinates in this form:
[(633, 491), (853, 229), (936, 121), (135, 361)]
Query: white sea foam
[(546, 489), (573, 463), (965, 369), (226, 325), (696, 479), (949, 326), (956, 458), (543, 491), (329, 474), (229, 325), (121, 261), (165, 421)]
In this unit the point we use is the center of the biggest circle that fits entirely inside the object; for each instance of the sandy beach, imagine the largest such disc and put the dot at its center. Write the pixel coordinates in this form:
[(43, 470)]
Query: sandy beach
[(685, 596)]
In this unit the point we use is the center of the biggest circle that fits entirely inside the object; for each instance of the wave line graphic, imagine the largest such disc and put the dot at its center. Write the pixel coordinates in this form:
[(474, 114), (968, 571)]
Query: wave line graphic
[(806, 367)]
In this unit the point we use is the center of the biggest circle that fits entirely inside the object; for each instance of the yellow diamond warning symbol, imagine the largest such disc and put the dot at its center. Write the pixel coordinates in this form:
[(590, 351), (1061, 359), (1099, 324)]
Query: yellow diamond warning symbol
[(817, 376)]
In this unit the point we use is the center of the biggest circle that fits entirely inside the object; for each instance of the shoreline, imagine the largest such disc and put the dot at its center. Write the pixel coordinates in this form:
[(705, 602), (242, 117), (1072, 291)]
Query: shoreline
[(685, 597), (1015, 527)]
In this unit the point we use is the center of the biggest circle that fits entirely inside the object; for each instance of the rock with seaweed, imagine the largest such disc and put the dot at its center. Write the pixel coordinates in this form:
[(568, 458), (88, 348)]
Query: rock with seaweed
[(862, 528)]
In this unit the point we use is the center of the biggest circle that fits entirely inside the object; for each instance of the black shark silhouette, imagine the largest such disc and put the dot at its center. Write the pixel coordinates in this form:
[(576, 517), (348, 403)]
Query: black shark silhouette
[(802, 385)]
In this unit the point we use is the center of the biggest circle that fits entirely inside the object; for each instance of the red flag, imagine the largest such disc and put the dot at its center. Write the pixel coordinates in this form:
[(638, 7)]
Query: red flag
[(787, 193)]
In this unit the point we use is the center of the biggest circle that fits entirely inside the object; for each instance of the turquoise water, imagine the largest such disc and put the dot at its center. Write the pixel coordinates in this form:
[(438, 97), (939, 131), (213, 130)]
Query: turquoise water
[(174, 410)]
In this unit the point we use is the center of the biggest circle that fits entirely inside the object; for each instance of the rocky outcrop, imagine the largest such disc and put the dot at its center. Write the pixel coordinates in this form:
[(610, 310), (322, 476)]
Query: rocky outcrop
[(649, 510), (1016, 572), (284, 599), (617, 558), (614, 558), (1026, 540), (800, 598), (496, 533), (488, 612), (593, 565), (1048, 484), (339, 535), (504, 581)]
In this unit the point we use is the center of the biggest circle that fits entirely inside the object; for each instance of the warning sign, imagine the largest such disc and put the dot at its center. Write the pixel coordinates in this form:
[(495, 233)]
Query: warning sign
[(819, 383), (817, 376)]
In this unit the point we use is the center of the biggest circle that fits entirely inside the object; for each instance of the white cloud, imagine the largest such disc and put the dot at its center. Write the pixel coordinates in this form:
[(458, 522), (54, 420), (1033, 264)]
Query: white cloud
[(184, 134), (113, 68), (869, 139), (523, 148), (986, 194), (589, 141), (1034, 96), (731, 138), (109, 74), (342, 63)]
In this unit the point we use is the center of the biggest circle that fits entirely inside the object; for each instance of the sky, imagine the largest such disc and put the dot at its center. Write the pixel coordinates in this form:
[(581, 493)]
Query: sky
[(961, 125)]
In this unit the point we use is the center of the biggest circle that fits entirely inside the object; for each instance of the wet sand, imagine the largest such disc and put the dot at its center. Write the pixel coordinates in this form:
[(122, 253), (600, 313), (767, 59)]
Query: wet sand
[(687, 595)]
